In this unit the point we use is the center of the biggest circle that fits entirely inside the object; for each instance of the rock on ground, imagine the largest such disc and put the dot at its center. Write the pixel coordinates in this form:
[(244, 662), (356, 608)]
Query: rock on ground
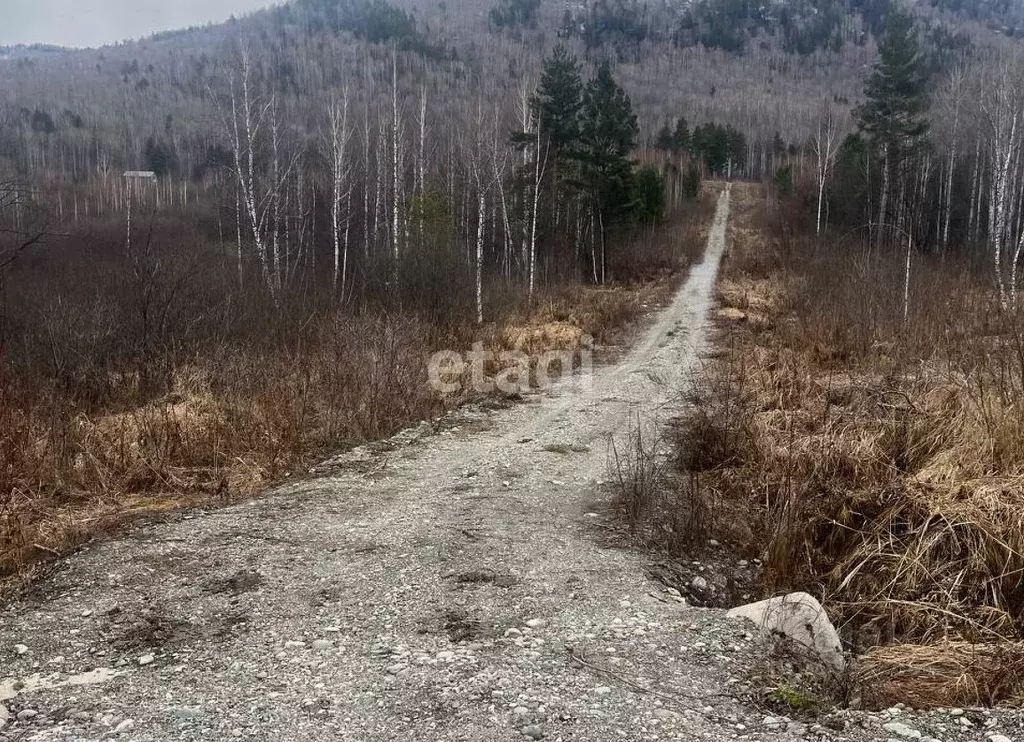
[(800, 617)]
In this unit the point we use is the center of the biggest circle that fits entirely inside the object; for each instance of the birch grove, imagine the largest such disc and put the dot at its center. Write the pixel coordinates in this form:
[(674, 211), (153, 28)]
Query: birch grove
[(327, 188)]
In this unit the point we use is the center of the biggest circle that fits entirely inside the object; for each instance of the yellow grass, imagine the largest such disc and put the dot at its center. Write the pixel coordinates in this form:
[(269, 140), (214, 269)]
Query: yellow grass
[(876, 462)]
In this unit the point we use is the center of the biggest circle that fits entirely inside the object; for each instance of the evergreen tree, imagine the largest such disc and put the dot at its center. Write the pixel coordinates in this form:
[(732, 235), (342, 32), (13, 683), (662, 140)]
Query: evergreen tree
[(692, 182), (648, 195), (681, 136), (736, 146), (893, 115), (784, 180), (608, 131), (723, 148), (848, 193), (897, 91), (557, 102), (665, 140)]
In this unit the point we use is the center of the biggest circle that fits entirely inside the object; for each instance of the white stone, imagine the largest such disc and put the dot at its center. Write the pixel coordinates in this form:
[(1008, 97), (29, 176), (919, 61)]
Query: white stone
[(20, 649), (800, 617), (998, 738), (146, 659), (901, 730)]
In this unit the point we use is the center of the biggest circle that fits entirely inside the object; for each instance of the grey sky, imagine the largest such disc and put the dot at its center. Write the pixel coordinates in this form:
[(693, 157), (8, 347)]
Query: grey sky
[(97, 22)]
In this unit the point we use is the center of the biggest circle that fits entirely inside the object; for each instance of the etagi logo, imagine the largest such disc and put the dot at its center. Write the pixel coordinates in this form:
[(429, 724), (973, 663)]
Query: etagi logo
[(451, 371)]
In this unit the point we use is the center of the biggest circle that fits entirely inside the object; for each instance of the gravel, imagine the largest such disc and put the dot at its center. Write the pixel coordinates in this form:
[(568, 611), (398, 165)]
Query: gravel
[(439, 586)]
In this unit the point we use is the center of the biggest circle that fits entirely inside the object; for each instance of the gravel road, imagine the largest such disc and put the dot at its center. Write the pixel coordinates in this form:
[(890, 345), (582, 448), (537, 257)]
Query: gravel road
[(451, 585)]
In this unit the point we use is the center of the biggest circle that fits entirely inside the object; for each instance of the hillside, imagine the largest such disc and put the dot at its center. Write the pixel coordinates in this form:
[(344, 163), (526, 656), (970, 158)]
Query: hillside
[(762, 68)]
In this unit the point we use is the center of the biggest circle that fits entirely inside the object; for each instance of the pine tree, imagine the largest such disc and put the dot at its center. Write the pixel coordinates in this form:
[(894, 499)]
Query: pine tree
[(897, 91), (558, 99), (894, 113), (608, 131), (665, 140), (681, 136)]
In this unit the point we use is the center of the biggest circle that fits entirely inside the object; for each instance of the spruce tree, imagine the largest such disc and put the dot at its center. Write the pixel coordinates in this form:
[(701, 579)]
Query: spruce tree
[(556, 120)]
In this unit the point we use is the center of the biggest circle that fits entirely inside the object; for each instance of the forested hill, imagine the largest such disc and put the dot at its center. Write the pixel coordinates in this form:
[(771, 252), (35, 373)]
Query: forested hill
[(764, 68)]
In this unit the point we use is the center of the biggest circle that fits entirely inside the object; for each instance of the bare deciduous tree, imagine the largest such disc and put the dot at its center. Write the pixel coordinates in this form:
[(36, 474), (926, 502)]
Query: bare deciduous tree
[(23, 222), (826, 146), (336, 145)]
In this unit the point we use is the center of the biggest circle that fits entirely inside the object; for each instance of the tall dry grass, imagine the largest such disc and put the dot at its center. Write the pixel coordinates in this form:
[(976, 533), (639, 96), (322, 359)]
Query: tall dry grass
[(868, 452), (230, 423)]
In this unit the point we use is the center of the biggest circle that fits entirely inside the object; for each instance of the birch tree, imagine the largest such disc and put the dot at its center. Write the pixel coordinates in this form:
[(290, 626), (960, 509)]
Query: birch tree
[(952, 96), (337, 141), (1001, 113), (262, 171), (826, 147), (248, 112)]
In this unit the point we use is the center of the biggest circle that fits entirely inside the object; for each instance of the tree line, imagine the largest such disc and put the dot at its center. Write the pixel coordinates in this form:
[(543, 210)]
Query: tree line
[(934, 161)]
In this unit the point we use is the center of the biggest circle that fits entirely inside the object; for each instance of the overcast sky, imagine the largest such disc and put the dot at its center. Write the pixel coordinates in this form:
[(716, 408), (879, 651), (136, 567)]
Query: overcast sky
[(98, 22)]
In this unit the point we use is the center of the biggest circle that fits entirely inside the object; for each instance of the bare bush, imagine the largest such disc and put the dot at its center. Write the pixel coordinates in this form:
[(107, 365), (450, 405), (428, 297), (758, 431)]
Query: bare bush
[(662, 510)]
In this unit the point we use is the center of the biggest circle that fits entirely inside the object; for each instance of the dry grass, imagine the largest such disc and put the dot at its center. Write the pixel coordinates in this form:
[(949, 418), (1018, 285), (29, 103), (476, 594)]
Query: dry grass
[(229, 425), (946, 674), (243, 414), (874, 460)]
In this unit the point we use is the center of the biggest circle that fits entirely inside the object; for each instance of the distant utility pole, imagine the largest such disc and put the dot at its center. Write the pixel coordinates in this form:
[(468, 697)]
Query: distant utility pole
[(130, 176)]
